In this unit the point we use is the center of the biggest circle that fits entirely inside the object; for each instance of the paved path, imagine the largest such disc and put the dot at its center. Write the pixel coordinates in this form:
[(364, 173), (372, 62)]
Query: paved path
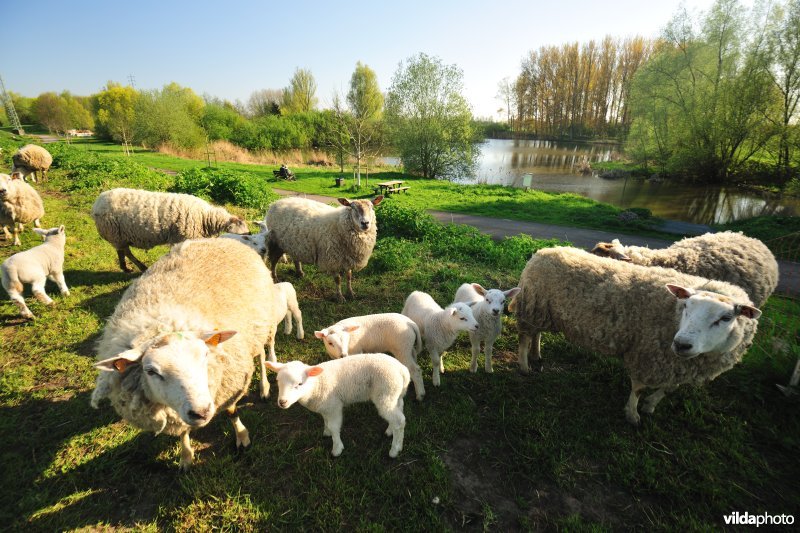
[(498, 228)]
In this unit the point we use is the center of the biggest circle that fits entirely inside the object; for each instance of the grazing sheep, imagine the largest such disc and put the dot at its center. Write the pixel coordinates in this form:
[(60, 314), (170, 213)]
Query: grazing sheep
[(35, 266), (726, 256), (19, 204), (181, 342), (284, 308), (330, 386), (689, 337), (144, 219), (487, 308), (385, 332), (29, 159), (337, 240), (439, 327)]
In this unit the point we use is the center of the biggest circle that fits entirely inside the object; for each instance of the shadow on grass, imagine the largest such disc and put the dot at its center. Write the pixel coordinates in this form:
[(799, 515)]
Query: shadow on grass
[(92, 278)]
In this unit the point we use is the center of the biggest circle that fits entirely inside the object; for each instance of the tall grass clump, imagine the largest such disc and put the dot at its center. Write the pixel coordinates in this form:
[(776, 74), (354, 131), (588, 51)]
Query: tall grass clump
[(225, 186)]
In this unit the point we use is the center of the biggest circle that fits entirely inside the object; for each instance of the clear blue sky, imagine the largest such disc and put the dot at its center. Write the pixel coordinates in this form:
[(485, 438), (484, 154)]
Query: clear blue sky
[(231, 48)]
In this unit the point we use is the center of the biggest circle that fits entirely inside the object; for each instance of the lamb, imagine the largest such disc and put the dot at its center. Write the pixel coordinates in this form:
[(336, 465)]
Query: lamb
[(487, 308), (144, 219), (385, 332), (337, 240), (330, 386), (285, 307), (19, 204), (439, 327), (689, 337), (35, 266), (180, 344), (256, 241), (727, 256), (31, 158)]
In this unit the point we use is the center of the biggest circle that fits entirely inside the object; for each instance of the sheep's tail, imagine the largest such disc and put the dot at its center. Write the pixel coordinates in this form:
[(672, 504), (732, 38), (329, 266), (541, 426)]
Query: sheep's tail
[(417, 338)]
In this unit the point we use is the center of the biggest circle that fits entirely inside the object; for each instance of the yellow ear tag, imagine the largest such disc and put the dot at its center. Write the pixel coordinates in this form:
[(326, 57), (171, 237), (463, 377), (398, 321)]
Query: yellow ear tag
[(121, 364)]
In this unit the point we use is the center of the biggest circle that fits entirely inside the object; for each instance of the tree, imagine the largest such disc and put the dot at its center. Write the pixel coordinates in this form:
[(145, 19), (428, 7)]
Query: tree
[(785, 74), (264, 102), (168, 116), (299, 96), (507, 94), (115, 112), (50, 111), (429, 120)]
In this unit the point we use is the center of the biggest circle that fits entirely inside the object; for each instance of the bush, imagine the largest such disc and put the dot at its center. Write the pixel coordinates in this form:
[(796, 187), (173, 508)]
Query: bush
[(225, 186), (641, 212), (393, 255)]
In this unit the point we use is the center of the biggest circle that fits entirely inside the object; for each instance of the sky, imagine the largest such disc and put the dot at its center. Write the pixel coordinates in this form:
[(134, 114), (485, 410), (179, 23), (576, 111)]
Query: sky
[(231, 48)]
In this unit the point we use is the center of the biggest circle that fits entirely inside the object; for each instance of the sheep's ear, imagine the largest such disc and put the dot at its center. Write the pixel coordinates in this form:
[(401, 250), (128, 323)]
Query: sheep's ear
[(273, 366), (601, 249), (314, 371), (681, 293), (453, 311), (747, 310), (344, 201), (479, 289), (377, 200), (616, 242), (510, 293), (120, 362), (351, 327), (62, 229), (320, 334), (40, 231), (212, 338)]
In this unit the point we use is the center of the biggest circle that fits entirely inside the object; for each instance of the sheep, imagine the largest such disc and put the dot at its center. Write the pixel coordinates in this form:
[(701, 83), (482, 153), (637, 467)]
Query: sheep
[(35, 266), (285, 307), (439, 327), (337, 240), (689, 337), (180, 344), (726, 256), (19, 204), (487, 308), (385, 332), (256, 241), (31, 158), (330, 386), (144, 219)]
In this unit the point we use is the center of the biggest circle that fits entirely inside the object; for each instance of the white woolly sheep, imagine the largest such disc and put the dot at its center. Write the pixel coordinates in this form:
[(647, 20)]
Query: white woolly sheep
[(181, 342), (487, 308), (30, 159), (330, 386), (256, 241), (285, 307), (337, 240), (385, 333), (19, 204), (439, 327), (726, 256), (144, 219), (35, 266), (665, 340)]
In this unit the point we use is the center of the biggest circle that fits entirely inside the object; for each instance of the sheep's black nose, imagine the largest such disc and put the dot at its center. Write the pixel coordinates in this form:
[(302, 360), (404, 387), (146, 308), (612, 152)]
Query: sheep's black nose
[(199, 415), (680, 347), (282, 403), (364, 225), (495, 312)]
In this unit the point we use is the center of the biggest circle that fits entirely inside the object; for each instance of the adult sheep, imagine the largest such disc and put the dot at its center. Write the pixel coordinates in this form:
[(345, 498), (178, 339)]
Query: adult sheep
[(727, 256), (336, 239), (20, 204), (181, 342), (31, 159), (144, 219), (690, 336)]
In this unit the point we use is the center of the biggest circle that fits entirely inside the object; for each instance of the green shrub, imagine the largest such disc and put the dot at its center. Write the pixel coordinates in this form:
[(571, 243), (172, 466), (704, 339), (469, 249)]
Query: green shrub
[(393, 255), (88, 170), (641, 212), (225, 186)]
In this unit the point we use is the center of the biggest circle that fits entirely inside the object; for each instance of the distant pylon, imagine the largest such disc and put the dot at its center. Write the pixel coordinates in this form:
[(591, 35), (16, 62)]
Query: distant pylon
[(8, 103), (132, 80)]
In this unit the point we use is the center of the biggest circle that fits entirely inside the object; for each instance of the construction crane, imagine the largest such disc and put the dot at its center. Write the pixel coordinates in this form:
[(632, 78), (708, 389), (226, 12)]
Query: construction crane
[(11, 113)]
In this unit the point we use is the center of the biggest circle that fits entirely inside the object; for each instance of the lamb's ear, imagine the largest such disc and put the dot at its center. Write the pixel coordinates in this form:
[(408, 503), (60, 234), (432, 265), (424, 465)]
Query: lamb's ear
[(62, 229), (320, 334), (471, 304), (747, 310), (351, 327), (314, 371), (212, 338), (681, 293), (479, 289), (510, 293), (273, 366), (42, 232), (377, 200), (344, 201), (121, 361), (453, 311)]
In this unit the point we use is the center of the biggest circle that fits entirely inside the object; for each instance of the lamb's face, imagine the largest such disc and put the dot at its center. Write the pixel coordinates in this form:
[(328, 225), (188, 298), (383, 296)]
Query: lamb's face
[(495, 299), (336, 340), (295, 381), (461, 316), (5, 185), (709, 322)]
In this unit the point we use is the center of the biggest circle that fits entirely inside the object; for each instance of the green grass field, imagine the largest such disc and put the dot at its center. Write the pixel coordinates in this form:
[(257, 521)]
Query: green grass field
[(482, 452)]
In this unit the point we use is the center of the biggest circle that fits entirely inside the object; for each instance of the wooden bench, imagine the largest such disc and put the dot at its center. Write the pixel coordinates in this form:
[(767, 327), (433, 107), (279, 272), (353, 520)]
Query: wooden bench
[(398, 189)]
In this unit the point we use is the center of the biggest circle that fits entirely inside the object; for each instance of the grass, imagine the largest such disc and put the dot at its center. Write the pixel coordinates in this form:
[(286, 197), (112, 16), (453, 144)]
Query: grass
[(501, 451)]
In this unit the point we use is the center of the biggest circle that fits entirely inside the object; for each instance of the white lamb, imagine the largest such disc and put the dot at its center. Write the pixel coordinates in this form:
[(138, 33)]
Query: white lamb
[(19, 204), (256, 241), (487, 308), (330, 386), (385, 332), (35, 266), (285, 307), (439, 327)]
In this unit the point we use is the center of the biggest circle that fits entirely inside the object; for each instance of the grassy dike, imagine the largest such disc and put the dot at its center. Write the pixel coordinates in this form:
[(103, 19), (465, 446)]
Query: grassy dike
[(501, 451)]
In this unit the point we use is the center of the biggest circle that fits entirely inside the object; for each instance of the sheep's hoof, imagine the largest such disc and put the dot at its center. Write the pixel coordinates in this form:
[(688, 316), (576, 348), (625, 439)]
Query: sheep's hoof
[(648, 409), (633, 418)]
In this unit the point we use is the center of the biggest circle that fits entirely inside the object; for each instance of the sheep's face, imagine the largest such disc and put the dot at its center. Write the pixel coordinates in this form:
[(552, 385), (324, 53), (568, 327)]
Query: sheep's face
[(237, 225), (336, 339), (613, 249), (175, 368), (295, 381), (460, 315), (495, 299), (5, 185), (362, 212), (708, 322), (257, 242)]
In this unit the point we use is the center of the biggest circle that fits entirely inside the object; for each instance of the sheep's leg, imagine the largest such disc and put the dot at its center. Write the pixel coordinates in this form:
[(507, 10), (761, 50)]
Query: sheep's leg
[(298, 269), (526, 342), (298, 319), (287, 323), (436, 363), (651, 401), (416, 378), (242, 435), (38, 291), (441, 362), (274, 253), (141, 266), (123, 263), (187, 453), (58, 279), (17, 230), (333, 424), (487, 350), (6, 233), (36, 223), (475, 344), (19, 301), (350, 293), (396, 429), (264, 384), (338, 280), (631, 408)]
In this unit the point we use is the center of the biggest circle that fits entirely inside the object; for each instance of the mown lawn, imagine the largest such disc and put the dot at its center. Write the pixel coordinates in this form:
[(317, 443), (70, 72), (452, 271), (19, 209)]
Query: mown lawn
[(499, 452)]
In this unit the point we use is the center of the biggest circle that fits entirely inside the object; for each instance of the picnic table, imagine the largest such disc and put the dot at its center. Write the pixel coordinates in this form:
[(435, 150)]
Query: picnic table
[(388, 187)]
